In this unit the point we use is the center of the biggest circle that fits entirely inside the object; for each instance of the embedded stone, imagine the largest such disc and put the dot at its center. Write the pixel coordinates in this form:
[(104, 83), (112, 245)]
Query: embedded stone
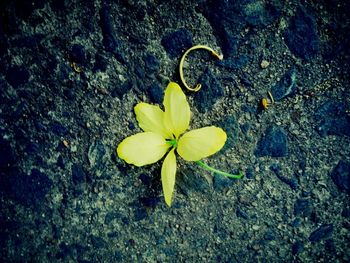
[(7, 156), (341, 176), (324, 231), (229, 18), (332, 119), (301, 36), (78, 174), (152, 64), (156, 93), (110, 42), (285, 87), (17, 76), (175, 43), (78, 54), (213, 91), (302, 207), (297, 248), (274, 143)]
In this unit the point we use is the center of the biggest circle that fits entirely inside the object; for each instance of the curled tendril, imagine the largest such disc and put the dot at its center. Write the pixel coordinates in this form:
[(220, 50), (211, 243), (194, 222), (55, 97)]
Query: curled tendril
[(198, 86)]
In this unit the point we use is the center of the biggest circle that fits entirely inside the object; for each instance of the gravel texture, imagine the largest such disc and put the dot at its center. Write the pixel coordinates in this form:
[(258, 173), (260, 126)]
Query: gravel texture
[(71, 73)]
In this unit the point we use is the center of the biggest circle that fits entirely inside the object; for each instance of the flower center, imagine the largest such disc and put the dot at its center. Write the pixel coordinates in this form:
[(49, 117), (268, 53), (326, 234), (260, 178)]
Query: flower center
[(172, 142)]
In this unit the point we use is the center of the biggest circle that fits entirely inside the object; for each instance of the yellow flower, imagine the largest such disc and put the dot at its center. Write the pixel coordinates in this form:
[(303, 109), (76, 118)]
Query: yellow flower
[(164, 131)]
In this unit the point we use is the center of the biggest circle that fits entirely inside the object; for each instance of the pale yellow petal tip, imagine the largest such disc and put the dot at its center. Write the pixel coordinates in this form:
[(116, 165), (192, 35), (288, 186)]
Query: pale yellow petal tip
[(173, 85), (168, 201), (138, 106), (121, 151), (222, 134), (222, 138), (141, 105)]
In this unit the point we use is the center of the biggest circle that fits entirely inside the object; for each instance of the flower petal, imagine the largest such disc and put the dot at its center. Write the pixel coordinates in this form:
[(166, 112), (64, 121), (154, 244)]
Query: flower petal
[(177, 109), (151, 118), (143, 148), (200, 143), (168, 176)]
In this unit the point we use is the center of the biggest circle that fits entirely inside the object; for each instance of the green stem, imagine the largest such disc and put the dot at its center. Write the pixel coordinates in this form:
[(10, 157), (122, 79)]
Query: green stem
[(211, 169)]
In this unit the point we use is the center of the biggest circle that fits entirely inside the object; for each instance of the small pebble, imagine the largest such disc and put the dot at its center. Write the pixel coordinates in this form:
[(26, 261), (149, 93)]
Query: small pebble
[(242, 214), (66, 143), (264, 64), (255, 227), (102, 90)]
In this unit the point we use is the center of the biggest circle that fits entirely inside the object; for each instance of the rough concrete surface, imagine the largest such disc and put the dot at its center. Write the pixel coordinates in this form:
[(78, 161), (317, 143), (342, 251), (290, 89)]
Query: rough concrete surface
[(71, 73)]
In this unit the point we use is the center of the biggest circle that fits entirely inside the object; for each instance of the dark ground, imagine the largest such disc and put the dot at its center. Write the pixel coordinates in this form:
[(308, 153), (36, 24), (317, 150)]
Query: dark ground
[(70, 74)]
